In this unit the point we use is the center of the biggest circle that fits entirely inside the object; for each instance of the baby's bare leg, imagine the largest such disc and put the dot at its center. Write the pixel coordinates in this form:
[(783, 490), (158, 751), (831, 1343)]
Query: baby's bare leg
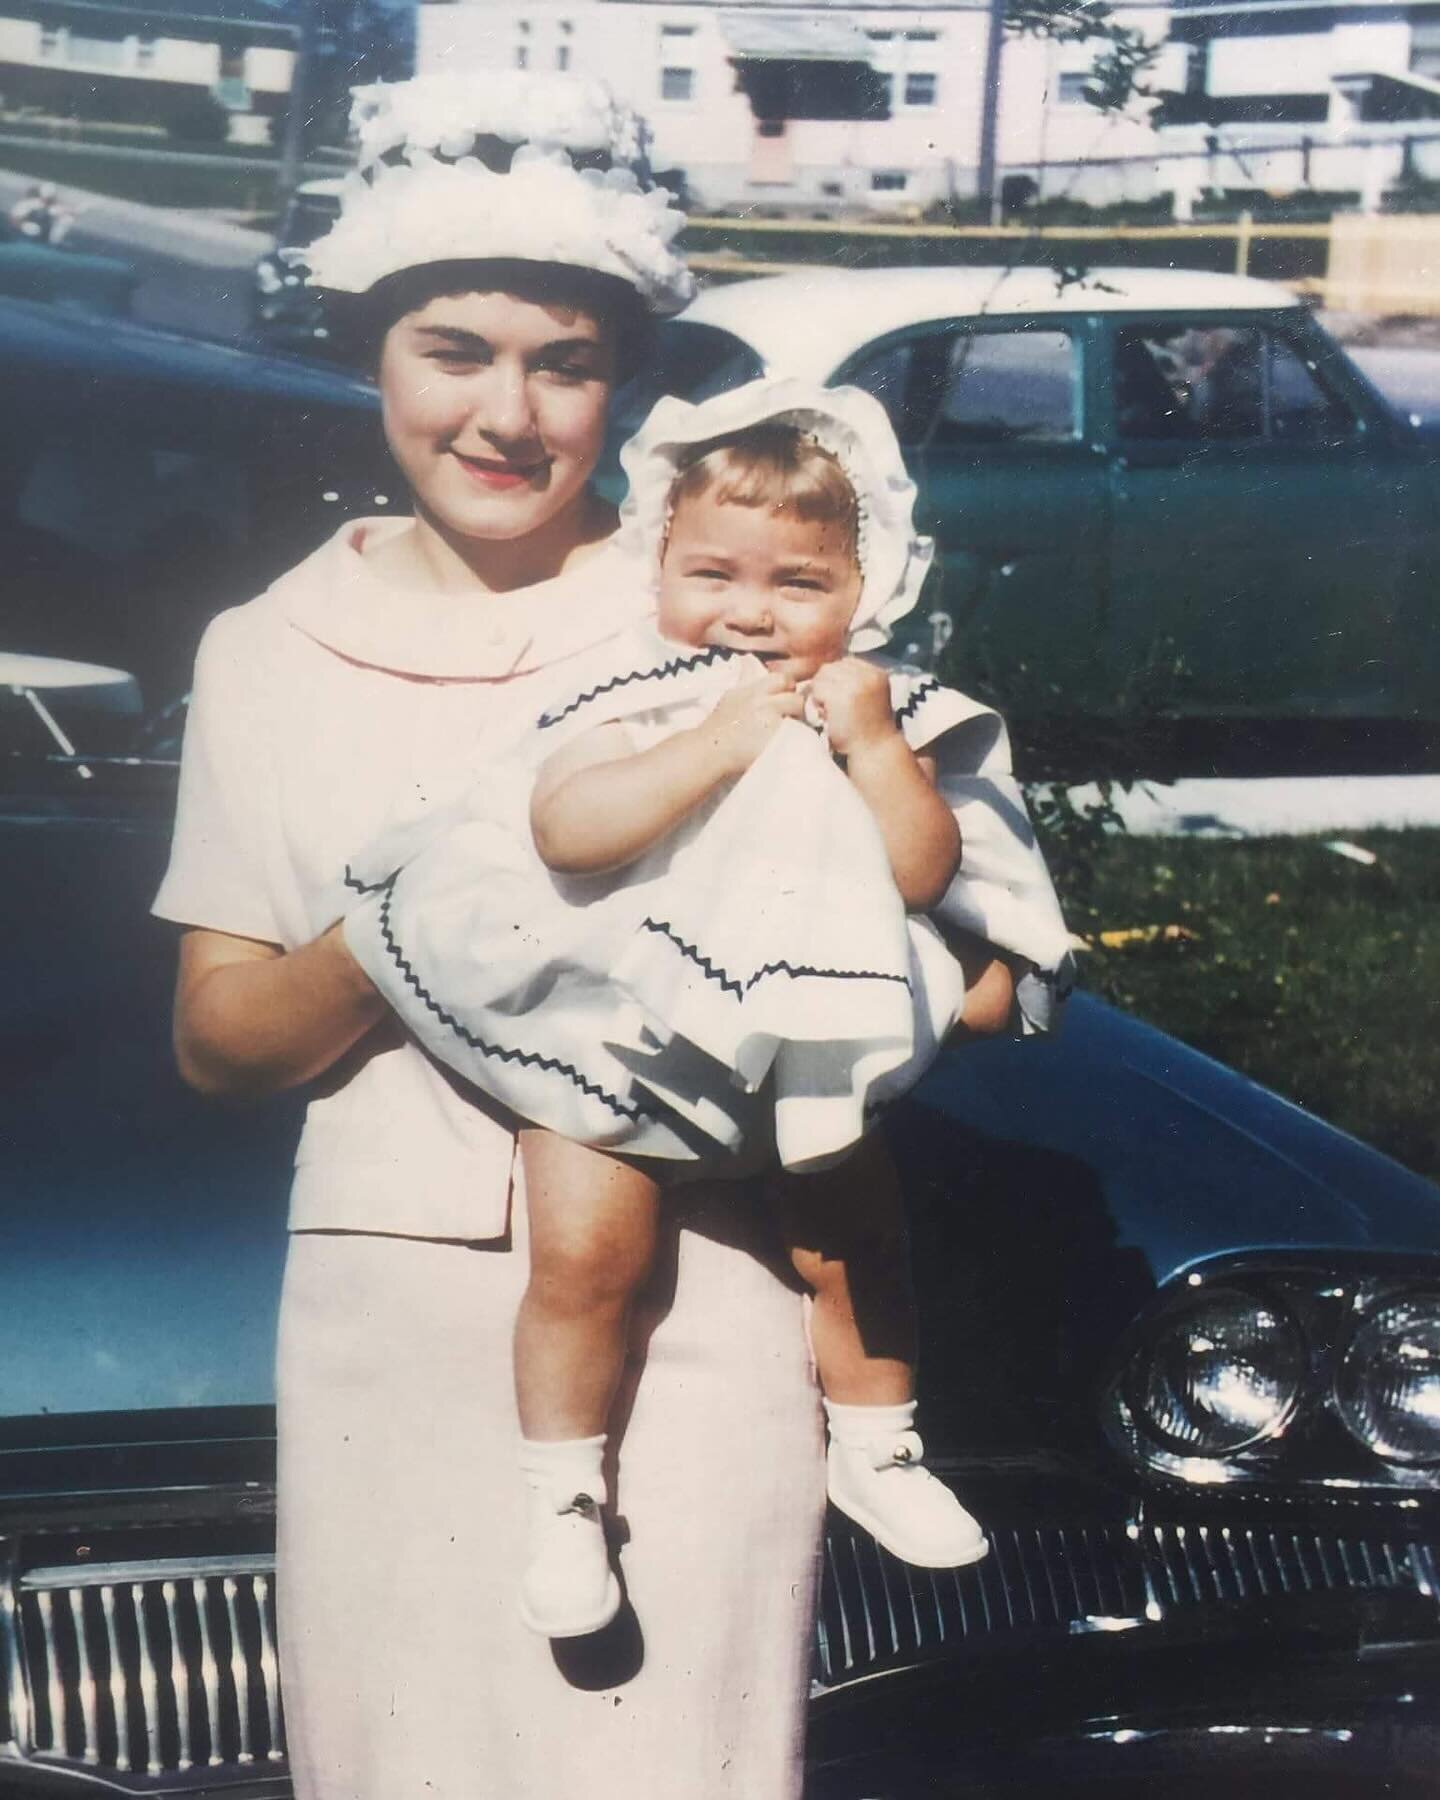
[(592, 1239), (845, 1229)]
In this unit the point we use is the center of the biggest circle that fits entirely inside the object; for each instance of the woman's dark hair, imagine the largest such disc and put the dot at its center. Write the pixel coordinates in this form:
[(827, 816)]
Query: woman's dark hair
[(359, 323)]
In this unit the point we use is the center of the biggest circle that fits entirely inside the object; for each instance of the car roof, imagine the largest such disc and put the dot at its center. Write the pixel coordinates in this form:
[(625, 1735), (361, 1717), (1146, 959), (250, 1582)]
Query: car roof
[(808, 321), (33, 333)]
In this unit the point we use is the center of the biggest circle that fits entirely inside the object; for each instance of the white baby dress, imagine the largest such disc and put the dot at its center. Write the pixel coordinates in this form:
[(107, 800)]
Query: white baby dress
[(750, 987)]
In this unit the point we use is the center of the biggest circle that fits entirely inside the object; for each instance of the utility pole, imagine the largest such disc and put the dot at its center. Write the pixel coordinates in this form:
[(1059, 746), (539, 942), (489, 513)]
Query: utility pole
[(985, 183), (302, 84)]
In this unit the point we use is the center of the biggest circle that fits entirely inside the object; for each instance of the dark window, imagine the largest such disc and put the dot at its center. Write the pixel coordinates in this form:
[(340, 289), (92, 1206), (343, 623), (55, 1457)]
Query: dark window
[(1221, 383), (888, 181), (1072, 86), (691, 360), (677, 84), (920, 90), (958, 388)]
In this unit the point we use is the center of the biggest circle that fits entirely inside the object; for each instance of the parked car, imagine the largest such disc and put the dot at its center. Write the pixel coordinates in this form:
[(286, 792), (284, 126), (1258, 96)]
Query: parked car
[(68, 278), (1157, 496), (285, 312), (147, 479), (1181, 1339)]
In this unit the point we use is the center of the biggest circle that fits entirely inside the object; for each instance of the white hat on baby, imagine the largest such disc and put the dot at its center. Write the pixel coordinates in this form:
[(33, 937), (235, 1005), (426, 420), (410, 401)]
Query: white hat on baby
[(852, 425)]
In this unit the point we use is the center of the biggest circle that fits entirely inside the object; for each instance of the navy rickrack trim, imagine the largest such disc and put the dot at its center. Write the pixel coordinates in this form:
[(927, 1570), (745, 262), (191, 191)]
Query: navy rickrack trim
[(529, 1059), (917, 699), (730, 985), (352, 880), (678, 665)]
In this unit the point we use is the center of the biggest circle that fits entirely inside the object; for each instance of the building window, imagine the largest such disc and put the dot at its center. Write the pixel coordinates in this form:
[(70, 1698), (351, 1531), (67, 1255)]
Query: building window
[(562, 56), (1070, 89), (880, 37), (96, 52), (144, 52), (922, 37), (677, 31), (920, 90), (888, 181), (522, 56), (677, 84), (49, 40)]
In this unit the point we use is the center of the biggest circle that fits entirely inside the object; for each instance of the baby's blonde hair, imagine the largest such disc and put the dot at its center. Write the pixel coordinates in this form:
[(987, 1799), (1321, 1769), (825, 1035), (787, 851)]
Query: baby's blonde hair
[(774, 465)]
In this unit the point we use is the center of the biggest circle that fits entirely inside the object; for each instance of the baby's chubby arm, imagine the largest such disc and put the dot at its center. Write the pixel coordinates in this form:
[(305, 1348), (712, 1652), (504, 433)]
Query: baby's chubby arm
[(921, 833), (599, 805)]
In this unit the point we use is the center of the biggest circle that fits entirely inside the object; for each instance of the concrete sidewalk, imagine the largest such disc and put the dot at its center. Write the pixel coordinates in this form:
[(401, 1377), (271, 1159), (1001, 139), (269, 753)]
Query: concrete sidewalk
[(1287, 806)]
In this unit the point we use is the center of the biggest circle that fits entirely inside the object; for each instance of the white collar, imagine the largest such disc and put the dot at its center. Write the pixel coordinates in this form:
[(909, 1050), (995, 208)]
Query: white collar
[(337, 597)]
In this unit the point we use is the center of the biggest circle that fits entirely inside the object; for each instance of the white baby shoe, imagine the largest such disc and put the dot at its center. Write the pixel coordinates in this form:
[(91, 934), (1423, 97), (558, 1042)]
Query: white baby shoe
[(568, 1588), (878, 1478)]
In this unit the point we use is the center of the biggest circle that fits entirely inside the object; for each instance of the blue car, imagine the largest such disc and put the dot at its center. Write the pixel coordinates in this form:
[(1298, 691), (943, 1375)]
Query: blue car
[(1181, 1339)]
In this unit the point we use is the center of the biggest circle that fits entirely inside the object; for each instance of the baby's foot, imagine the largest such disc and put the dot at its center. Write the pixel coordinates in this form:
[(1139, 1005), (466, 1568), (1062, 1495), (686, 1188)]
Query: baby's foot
[(881, 1482), (568, 1588)]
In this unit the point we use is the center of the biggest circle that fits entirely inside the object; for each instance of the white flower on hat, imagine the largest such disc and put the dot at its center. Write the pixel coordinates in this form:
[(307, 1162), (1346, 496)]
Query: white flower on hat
[(851, 424), (419, 195)]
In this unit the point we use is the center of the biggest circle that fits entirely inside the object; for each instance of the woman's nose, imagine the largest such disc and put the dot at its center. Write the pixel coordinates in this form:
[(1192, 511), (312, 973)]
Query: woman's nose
[(503, 410)]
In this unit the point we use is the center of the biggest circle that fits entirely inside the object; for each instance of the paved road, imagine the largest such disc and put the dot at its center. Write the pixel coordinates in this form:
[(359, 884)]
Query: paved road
[(194, 268)]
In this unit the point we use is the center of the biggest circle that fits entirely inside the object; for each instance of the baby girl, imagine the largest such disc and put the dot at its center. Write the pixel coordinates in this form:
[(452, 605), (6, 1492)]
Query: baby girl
[(705, 948)]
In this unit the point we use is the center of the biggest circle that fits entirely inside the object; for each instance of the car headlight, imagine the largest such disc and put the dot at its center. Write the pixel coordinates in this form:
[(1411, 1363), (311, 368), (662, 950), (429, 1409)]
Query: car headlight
[(1217, 1375), (1387, 1388)]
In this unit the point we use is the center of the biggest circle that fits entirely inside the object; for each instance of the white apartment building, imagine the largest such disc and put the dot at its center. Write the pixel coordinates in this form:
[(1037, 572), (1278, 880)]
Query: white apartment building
[(742, 95)]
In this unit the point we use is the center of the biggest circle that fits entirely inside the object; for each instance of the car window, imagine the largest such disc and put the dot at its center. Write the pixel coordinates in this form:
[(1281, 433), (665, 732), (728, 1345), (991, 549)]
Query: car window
[(959, 388), (1221, 384), (688, 359)]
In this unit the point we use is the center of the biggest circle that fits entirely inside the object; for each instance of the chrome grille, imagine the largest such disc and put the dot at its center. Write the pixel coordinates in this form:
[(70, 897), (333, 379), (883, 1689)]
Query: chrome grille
[(150, 1669), (875, 1611)]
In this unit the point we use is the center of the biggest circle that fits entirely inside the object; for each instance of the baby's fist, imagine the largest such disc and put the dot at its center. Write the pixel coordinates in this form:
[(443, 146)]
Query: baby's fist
[(852, 697)]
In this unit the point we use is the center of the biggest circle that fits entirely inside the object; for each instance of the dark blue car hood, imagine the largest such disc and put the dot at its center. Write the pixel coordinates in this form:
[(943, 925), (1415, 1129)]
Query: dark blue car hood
[(142, 1228)]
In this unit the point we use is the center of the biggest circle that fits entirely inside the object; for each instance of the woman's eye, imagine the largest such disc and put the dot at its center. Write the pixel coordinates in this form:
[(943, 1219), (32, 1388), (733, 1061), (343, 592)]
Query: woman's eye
[(454, 359), (569, 373)]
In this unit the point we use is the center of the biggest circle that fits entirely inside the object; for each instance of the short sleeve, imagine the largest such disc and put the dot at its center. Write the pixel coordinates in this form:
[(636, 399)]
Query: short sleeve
[(217, 873)]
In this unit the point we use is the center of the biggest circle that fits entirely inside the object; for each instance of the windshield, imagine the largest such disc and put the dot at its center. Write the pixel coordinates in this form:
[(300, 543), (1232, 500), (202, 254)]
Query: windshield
[(691, 360)]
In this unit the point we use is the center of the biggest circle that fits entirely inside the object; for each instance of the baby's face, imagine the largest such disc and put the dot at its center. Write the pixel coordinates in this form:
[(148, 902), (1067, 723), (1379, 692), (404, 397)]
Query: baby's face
[(757, 578)]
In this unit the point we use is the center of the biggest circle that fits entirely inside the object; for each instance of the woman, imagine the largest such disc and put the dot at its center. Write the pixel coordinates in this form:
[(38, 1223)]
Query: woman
[(502, 287)]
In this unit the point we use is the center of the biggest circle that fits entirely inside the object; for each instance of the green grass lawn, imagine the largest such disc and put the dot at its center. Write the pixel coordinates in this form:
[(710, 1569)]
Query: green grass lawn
[(1313, 974)]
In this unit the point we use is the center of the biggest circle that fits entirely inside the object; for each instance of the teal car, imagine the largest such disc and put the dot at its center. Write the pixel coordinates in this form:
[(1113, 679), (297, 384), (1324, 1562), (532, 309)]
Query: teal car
[(1163, 500)]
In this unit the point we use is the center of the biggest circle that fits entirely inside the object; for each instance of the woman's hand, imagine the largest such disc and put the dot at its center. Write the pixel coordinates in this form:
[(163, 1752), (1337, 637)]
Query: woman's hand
[(746, 719), (252, 1019), (852, 697)]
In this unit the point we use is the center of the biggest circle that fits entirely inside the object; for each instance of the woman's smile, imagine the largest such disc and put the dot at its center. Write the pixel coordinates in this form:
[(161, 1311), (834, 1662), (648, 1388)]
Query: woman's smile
[(500, 474)]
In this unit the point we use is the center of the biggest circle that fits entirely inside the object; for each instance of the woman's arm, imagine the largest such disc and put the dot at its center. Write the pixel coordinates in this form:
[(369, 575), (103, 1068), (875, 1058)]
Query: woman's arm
[(595, 807), (251, 1019), (921, 833), (989, 985)]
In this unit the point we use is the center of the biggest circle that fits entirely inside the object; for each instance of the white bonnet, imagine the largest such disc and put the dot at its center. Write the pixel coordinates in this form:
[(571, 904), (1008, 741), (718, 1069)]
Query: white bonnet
[(422, 193), (851, 424)]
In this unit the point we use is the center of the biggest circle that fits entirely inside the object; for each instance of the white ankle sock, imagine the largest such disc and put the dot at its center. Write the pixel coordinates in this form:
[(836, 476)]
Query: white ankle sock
[(852, 1424), (561, 1462)]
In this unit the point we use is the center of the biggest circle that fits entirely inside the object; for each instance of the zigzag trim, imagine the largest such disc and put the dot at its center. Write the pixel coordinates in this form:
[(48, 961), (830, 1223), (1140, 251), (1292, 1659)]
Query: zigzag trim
[(367, 887), (678, 665), (922, 693), (730, 985), (529, 1059)]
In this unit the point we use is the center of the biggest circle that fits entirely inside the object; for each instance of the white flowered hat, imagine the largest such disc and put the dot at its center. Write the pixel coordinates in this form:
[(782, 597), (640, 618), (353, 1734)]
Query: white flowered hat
[(851, 424), (501, 165)]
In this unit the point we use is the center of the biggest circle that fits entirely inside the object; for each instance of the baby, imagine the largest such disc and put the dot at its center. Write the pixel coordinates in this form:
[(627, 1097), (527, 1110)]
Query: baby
[(727, 964)]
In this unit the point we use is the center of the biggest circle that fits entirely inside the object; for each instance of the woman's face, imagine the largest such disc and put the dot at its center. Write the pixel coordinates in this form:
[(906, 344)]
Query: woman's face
[(495, 408)]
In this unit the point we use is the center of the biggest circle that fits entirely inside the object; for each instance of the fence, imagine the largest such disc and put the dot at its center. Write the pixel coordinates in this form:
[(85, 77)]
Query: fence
[(1388, 264)]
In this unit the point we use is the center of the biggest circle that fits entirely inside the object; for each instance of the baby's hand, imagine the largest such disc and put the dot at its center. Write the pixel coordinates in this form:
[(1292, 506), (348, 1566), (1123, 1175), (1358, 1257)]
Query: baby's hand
[(853, 700), (748, 717)]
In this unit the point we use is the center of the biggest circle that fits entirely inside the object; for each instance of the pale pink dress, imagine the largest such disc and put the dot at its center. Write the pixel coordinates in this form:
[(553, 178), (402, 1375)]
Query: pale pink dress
[(321, 710)]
